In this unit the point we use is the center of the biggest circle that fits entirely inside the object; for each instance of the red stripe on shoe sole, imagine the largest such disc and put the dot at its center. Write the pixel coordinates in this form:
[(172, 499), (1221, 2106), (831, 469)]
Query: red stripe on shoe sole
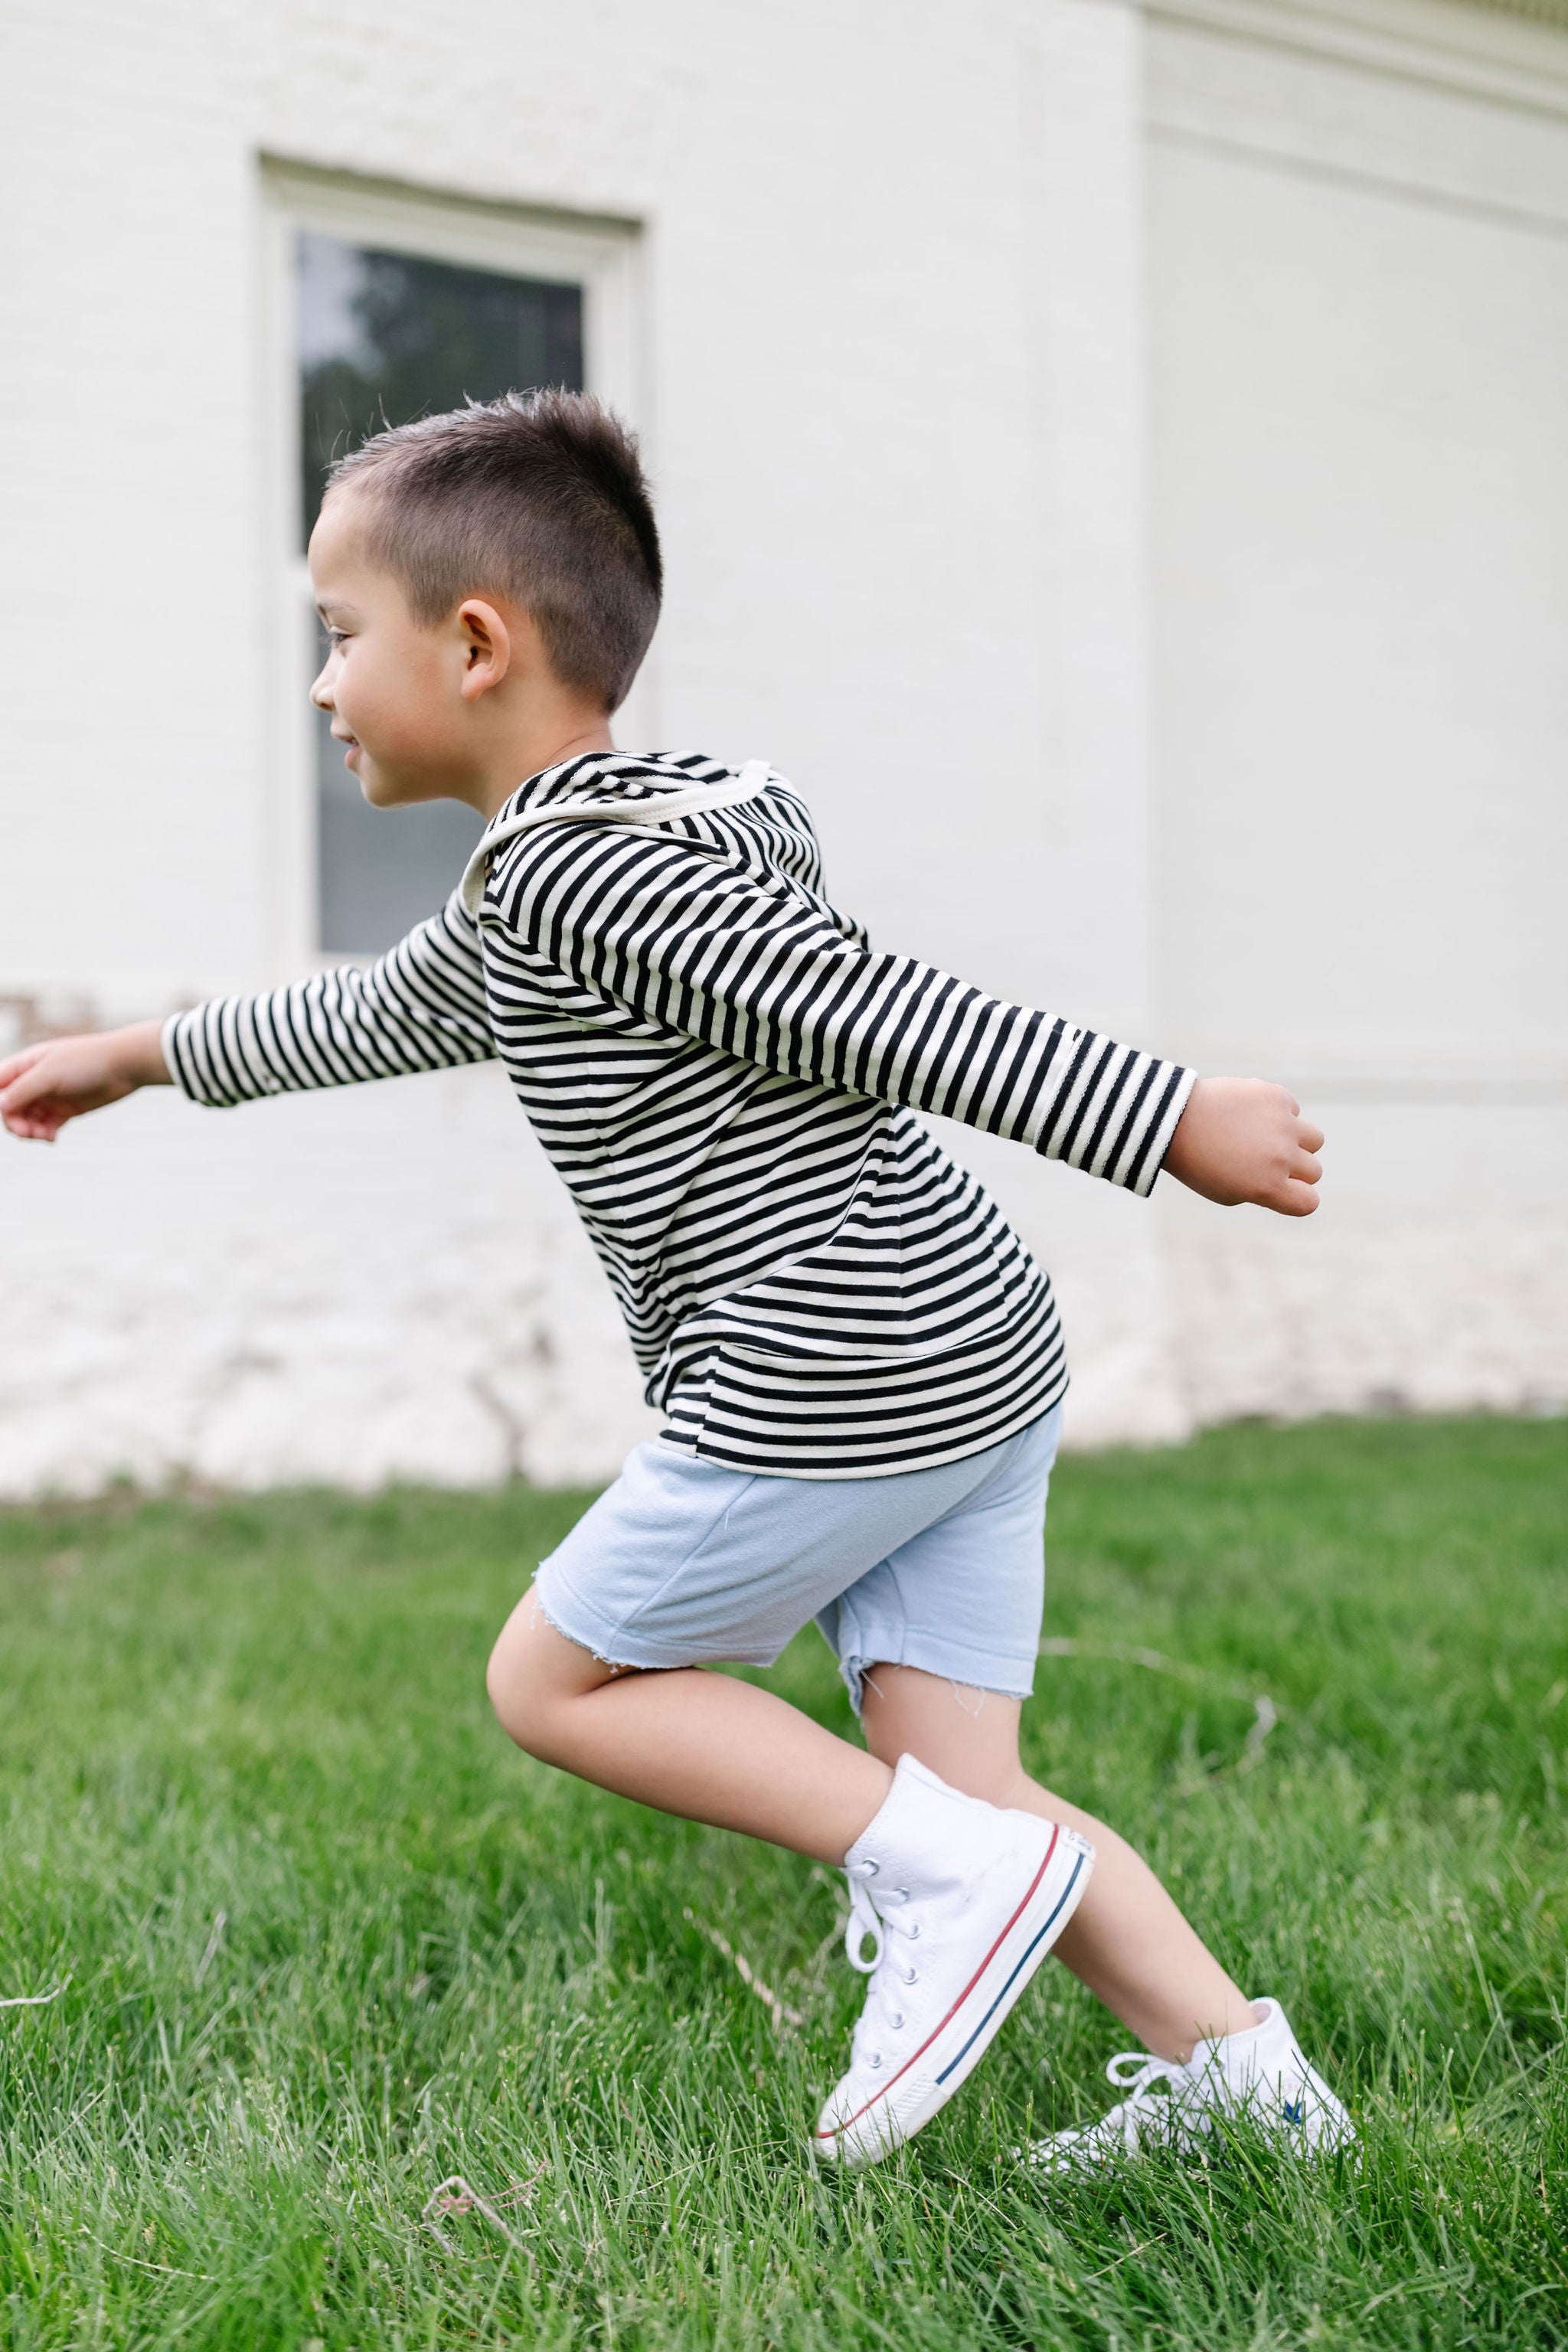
[(836, 2131)]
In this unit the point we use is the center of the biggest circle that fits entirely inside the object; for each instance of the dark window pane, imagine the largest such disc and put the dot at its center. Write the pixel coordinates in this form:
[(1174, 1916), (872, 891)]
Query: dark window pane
[(384, 338)]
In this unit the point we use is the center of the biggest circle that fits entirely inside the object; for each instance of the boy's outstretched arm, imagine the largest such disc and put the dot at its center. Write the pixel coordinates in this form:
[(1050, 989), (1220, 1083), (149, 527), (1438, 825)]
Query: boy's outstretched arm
[(678, 938), (421, 1006), (43, 1085)]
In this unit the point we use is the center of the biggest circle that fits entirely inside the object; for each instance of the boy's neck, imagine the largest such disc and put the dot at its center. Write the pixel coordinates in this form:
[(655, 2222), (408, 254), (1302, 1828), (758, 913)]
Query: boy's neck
[(532, 750)]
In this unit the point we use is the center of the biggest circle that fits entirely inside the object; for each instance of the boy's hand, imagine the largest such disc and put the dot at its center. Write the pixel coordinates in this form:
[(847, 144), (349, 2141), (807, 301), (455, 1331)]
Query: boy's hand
[(1243, 1140), (43, 1085)]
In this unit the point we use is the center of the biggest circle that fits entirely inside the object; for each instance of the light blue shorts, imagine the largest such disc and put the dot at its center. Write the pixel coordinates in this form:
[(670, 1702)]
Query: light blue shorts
[(680, 1563)]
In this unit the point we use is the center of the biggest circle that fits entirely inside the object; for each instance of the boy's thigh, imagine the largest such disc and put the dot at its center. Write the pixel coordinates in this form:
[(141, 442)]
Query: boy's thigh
[(962, 1597), (681, 1563)]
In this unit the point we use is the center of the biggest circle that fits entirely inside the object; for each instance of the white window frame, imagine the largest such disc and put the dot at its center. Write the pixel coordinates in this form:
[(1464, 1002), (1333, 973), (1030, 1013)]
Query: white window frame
[(601, 255)]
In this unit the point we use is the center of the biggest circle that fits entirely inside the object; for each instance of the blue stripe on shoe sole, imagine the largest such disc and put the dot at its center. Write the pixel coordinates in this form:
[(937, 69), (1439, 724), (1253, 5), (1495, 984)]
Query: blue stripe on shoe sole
[(1044, 1929)]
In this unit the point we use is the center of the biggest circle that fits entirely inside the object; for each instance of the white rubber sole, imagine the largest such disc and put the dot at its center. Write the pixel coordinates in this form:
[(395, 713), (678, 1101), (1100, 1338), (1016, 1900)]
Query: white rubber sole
[(951, 2051)]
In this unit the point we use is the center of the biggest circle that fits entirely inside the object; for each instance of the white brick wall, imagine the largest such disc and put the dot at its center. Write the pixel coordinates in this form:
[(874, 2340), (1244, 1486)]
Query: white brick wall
[(902, 377)]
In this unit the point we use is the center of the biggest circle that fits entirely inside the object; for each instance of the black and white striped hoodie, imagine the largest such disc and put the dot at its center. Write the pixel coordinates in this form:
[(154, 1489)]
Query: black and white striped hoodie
[(727, 1077)]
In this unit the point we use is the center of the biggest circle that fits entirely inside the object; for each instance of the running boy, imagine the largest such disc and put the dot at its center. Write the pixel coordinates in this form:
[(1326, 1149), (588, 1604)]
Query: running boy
[(859, 1366)]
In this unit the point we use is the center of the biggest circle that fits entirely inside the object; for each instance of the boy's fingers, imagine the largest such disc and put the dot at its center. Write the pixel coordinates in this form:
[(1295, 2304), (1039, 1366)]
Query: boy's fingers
[(36, 1124), (1309, 1170), (1294, 1199), (15, 1064), (28, 1106), (1309, 1137), (29, 1085)]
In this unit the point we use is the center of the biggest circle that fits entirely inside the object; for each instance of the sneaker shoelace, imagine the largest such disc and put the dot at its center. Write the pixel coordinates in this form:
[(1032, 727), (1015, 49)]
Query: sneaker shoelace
[(882, 2013), (1136, 2072)]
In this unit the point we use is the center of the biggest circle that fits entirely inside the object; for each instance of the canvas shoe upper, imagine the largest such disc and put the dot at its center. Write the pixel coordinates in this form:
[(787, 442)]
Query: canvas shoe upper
[(961, 1902), (1261, 2073)]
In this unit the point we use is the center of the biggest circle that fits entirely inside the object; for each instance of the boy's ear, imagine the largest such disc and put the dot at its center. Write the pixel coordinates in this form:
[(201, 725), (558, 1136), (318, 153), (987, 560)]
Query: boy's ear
[(487, 647)]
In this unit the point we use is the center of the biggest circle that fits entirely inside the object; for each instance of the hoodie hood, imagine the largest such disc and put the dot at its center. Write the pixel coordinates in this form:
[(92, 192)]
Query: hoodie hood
[(608, 787)]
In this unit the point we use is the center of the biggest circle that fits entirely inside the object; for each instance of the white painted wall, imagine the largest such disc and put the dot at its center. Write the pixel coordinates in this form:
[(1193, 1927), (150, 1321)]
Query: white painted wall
[(1046, 402), (1359, 338)]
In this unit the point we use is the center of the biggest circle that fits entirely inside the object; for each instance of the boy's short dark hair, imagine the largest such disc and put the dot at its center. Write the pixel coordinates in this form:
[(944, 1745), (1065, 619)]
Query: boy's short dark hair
[(539, 497)]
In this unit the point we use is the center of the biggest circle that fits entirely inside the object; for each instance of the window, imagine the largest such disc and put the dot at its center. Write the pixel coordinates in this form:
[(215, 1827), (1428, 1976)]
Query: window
[(395, 307), (382, 338)]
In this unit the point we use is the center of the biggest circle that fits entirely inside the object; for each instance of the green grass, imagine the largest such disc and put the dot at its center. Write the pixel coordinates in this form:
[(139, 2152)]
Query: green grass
[(329, 1939)]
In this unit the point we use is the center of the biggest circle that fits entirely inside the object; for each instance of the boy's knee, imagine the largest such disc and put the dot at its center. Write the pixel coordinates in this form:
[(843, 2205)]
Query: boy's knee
[(534, 1676), (505, 1696), (520, 1694)]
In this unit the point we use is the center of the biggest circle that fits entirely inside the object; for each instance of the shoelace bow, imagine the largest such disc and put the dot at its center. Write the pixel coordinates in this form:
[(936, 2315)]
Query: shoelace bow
[(865, 1921), (1136, 2072)]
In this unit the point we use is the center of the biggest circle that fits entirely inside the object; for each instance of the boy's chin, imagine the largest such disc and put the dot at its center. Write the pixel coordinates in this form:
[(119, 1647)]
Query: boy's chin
[(390, 788), (383, 792)]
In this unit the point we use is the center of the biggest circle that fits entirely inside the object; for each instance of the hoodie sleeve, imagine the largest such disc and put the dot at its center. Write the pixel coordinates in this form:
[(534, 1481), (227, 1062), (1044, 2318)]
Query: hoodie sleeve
[(756, 969), (419, 1007)]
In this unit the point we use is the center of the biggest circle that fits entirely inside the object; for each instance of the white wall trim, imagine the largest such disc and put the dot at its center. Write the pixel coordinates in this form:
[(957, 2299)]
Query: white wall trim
[(1482, 52), (1297, 161)]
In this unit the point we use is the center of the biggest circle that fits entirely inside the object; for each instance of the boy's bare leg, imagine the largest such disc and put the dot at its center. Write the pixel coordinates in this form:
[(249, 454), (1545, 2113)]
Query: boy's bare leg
[(717, 1750), (1127, 1940), (690, 1742)]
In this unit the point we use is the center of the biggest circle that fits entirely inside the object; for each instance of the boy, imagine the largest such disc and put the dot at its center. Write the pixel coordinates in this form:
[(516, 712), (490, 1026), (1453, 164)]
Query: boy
[(860, 1367)]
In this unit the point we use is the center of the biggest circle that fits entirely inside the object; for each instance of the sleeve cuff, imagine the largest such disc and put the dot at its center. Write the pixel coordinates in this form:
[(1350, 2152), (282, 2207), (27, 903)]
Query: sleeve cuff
[(1170, 1119), (1117, 1112), (202, 1063), (170, 1037)]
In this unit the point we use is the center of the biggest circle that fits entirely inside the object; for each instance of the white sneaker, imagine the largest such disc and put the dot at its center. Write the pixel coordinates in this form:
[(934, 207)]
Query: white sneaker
[(963, 1901), (1260, 2073)]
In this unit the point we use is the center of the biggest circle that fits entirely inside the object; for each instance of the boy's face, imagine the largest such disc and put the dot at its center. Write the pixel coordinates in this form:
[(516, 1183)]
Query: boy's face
[(393, 689)]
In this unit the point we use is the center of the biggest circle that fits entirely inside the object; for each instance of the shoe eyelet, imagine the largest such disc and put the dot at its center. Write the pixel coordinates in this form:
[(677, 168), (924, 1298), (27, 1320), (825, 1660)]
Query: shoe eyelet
[(910, 1976), (875, 2063), (897, 2023), (913, 1930)]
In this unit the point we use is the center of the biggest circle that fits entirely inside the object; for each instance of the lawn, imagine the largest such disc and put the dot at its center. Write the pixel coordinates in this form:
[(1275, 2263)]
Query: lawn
[(326, 1939)]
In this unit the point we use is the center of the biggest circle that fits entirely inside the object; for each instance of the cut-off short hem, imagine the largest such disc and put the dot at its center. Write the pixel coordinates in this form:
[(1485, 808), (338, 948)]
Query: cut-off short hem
[(997, 1680), (616, 1665), (929, 1658), (612, 1646), (681, 1563)]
